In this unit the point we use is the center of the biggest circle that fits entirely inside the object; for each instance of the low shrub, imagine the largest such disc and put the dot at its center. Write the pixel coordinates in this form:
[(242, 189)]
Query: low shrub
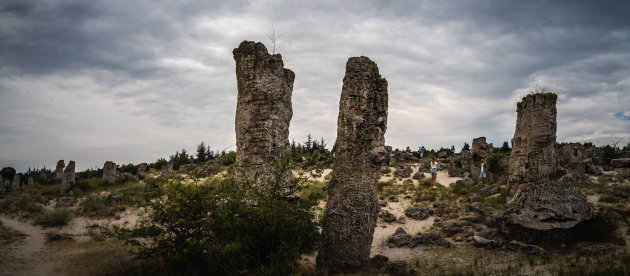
[(226, 230), (312, 191), (58, 216)]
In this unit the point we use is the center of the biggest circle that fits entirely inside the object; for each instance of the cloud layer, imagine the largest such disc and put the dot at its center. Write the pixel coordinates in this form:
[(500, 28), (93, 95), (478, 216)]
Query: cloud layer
[(131, 81)]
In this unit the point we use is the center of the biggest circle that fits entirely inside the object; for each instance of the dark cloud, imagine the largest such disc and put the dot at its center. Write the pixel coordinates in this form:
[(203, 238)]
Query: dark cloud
[(135, 80)]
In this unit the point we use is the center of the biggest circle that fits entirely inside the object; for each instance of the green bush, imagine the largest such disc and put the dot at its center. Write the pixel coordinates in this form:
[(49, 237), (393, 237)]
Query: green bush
[(495, 166), (227, 229), (92, 204), (312, 191), (58, 216)]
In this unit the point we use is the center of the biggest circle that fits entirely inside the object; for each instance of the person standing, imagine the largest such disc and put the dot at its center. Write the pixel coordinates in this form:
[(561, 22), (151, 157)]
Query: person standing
[(434, 167), (422, 152), (484, 168), (453, 150)]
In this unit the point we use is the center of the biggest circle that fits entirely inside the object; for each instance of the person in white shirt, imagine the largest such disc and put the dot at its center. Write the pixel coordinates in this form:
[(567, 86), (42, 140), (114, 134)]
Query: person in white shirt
[(434, 167)]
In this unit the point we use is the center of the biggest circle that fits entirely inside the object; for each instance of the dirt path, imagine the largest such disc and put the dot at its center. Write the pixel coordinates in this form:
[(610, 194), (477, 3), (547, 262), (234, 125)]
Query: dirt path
[(29, 252)]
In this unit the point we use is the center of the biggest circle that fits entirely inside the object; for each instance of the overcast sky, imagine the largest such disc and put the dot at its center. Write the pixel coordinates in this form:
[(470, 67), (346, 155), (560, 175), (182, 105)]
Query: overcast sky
[(131, 81)]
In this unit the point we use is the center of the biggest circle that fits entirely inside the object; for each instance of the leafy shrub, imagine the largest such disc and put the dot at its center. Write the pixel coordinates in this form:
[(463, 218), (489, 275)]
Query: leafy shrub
[(495, 166), (382, 184), (313, 191), (228, 159), (92, 204), (226, 230), (58, 216)]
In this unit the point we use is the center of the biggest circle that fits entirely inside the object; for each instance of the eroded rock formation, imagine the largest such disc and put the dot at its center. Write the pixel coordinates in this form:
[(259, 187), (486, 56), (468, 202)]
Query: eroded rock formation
[(352, 208), (540, 203), (109, 173), (480, 149), (263, 113), (67, 180), (548, 205), (59, 169), (533, 155), (16, 182)]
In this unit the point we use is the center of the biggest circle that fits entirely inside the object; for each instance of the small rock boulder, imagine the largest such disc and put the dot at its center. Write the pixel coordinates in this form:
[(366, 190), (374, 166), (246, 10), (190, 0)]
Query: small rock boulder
[(418, 212), (388, 217), (482, 242), (594, 250), (529, 249), (418, 176), (399, 238)]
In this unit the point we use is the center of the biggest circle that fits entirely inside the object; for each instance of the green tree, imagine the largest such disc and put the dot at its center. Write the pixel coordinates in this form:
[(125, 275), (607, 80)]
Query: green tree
[(201, 153), (466, 146)]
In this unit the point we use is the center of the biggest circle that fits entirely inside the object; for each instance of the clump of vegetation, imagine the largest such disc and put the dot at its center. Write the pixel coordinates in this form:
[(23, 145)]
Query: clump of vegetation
[(58, 216), (311, 192), (8, 235), (226, 228), (495, 166), (92, 204), (498, 202)]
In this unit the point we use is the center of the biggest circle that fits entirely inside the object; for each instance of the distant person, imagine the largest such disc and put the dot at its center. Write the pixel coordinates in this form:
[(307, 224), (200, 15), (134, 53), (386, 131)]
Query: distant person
[(422, 152), (484, 168), (434, 167), (453, 150)]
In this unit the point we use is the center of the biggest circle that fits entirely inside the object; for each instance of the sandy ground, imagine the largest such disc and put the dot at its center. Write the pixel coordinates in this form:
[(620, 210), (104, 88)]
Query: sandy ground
[(442, 177), (29, 252), (312, 175)]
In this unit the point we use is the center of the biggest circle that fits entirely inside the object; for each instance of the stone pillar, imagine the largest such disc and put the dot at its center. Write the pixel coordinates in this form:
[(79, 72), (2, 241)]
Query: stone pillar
[(109, 173), (16, 181), (142, 169), (352, 210), (480, 149), (263, 113), (30, 180), (59, 170), (533, 155), (68, 177)]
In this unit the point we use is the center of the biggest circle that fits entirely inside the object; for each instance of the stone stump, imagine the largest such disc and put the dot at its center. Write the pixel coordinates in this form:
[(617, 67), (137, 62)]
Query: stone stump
[(352, 208), (59, 169), (142, 169), (67, 180), (16, 181), (533, 156), (263, 114), (109, 173), (572, 157), (29, 180)]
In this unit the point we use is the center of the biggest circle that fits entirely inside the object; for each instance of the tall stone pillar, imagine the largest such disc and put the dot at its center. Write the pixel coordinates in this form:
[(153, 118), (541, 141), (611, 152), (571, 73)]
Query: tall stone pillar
[(533, 155), (109, 173), (352, 210), (263, 113), (67, 180), (480, 149), (59, 169), (16, 181)]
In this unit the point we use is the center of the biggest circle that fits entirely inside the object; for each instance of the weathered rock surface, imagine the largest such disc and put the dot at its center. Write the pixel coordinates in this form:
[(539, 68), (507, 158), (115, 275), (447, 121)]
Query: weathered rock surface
[(109, 173), (142, 169), (263, 113), (400, 238), (399, 267), (595, 250), (418, 176), (482, 242), (418, 212), (403, 171), (388, 217), (533, 155), (572, 157), (352, 210), (59, 169), (67, 180), (429, 239), (548, 205), (529, 249), (29, 180)]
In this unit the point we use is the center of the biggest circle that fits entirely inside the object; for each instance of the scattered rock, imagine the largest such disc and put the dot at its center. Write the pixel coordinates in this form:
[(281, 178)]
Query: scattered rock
[(490, 190), (379, 261), (452, 228), (418, 212), (548, 205), (388, 217), (399, 238), (408, 182), (595, 250), (399, 267), (442, 154), (393, 198), (126, 177), (115, 198), (425, 197), (403, 171), (484, 243), (382, 203), (402, 220), (620, 193), (429, 239), (418, 176), (525, 248)]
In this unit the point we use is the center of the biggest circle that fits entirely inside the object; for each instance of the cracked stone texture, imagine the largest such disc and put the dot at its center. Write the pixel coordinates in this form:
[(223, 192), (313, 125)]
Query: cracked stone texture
[(533, 155), (352, 208), (67, 181), (263, 113), (548, 205), (59, 169), (109, 173)]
